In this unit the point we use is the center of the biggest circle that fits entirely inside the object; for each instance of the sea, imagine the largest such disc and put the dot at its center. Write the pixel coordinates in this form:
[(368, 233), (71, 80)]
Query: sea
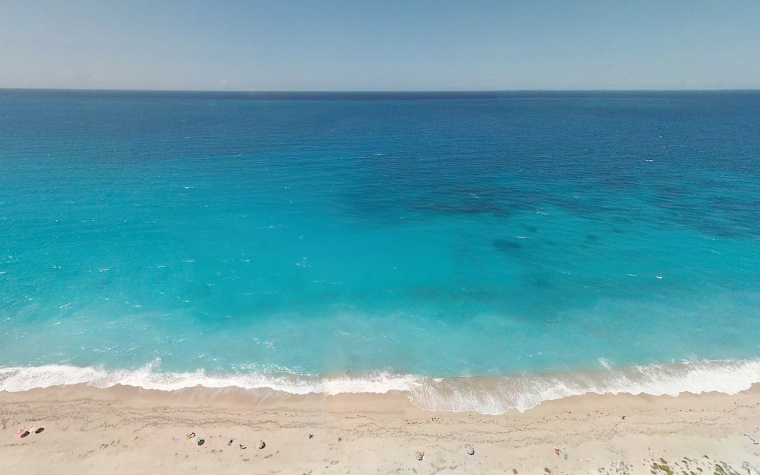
[(474, 251)]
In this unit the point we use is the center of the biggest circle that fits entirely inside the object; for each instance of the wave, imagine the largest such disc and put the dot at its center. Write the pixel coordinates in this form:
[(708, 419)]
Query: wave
[(499, 394), (23, 378), (485, 394)]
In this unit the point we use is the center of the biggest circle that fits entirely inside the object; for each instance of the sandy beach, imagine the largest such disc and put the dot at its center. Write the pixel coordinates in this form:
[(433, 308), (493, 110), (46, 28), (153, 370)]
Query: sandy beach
[(128, 430)]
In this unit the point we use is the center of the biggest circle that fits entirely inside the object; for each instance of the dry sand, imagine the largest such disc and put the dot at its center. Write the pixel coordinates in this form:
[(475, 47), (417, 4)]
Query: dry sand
[(127, 430)]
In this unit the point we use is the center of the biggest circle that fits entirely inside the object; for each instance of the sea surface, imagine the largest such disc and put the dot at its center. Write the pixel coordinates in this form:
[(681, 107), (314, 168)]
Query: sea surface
[(479, 251)]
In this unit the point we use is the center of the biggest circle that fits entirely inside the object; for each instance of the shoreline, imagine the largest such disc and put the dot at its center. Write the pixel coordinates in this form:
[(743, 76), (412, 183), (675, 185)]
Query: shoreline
[(132, 430), (488, 395)]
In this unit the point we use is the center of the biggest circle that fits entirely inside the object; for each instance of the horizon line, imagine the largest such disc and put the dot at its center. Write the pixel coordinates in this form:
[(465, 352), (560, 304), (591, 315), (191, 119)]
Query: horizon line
[(374, 91)]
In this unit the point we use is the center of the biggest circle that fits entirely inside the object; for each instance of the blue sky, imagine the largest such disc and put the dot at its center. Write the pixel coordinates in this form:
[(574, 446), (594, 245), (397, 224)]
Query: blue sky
[(380, 45)]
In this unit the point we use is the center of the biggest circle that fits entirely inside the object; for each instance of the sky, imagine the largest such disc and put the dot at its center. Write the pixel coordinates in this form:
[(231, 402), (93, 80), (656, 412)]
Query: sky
[(380, 45)]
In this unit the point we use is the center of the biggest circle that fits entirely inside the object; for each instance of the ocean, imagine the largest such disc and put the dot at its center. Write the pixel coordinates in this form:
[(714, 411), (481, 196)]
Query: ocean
[(478, 251)]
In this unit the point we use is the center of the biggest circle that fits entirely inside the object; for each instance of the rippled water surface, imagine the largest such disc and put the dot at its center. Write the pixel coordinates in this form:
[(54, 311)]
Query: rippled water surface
[(394, 235)]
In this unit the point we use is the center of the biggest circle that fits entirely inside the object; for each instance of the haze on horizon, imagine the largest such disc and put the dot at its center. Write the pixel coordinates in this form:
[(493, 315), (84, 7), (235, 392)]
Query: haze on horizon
[(389, 45)]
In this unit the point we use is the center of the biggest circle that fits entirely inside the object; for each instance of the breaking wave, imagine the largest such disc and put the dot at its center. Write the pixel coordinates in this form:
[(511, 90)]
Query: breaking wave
[(487, 395)]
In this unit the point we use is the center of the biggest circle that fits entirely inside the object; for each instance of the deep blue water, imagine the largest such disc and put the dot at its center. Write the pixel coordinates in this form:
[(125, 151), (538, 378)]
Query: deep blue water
[(349, 234)]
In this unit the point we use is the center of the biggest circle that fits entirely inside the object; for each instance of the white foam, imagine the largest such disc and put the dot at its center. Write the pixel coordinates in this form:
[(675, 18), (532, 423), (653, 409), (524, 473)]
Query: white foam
[(378, 383), (487, 395), (14, 379), (497, 395)]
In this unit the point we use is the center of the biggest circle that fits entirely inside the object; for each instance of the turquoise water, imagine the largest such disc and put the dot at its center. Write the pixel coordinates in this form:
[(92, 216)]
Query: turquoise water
[(371, 242)]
